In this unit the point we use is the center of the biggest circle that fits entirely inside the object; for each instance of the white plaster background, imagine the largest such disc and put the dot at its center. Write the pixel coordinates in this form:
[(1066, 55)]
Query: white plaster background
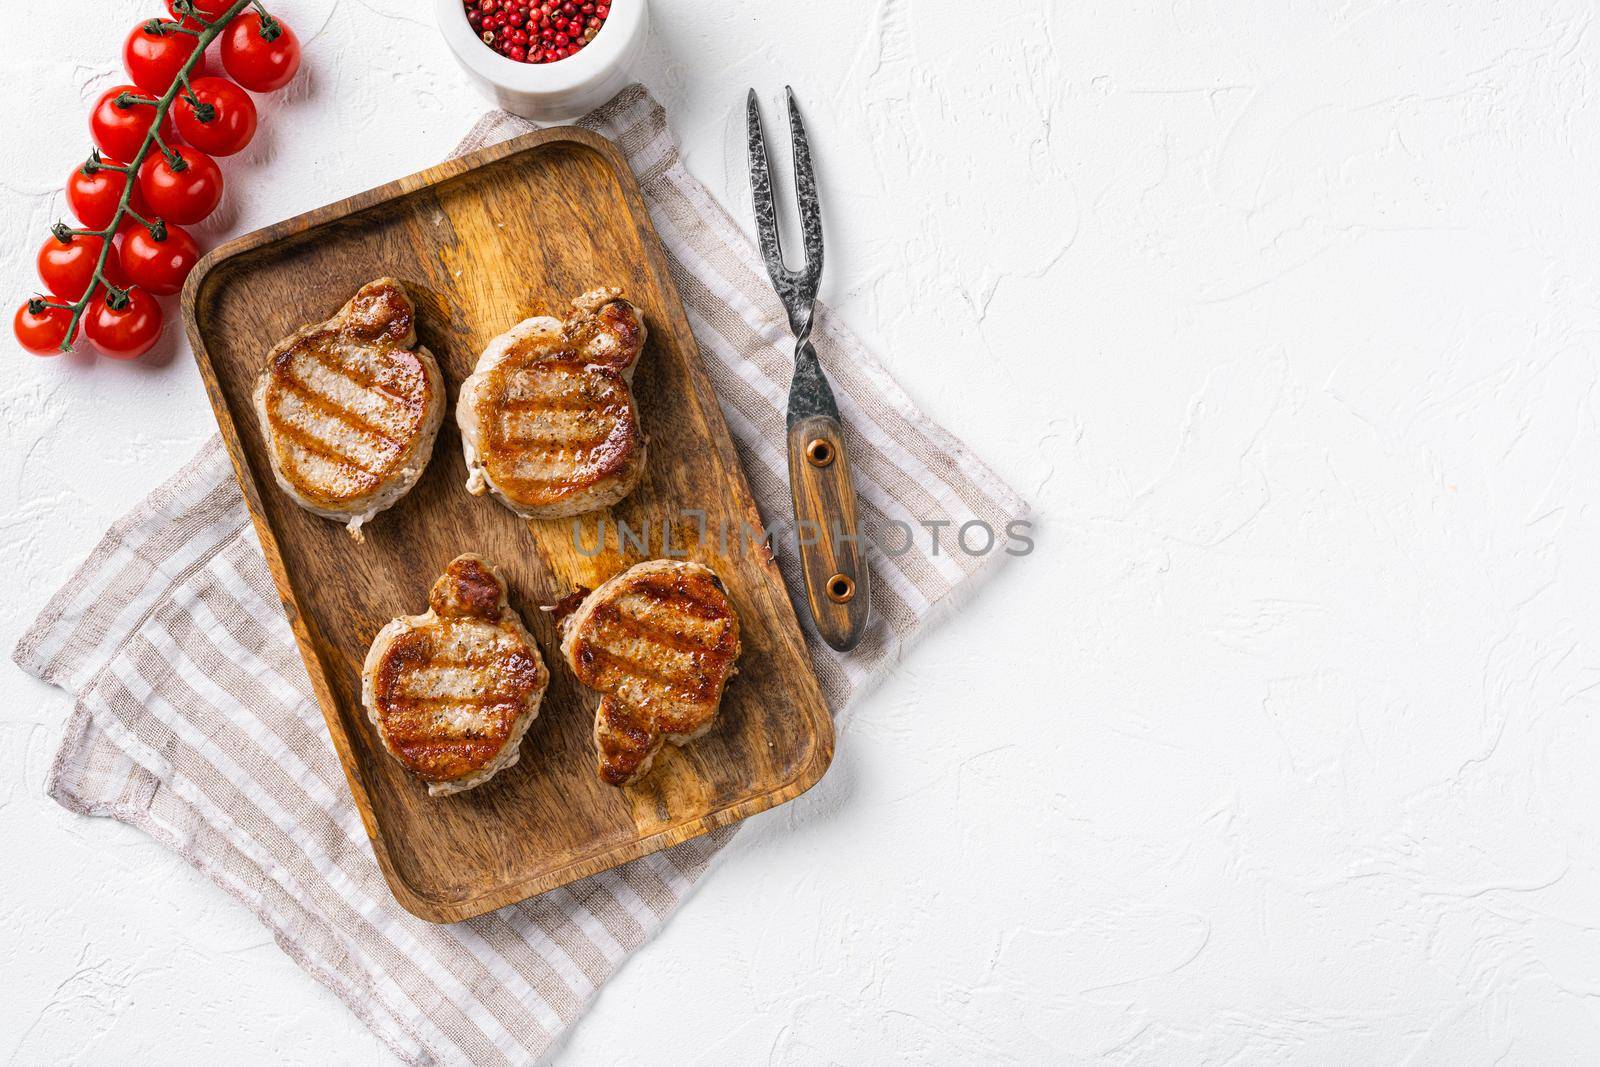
[(1282, 746)]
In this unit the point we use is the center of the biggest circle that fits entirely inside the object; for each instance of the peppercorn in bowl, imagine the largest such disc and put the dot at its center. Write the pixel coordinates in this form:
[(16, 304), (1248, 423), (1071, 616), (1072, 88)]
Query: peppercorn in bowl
[(546, 60)]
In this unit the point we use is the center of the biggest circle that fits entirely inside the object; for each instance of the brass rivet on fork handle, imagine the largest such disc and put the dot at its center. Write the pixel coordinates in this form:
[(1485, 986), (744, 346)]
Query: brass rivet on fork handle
[(841, 590), (819, 452)]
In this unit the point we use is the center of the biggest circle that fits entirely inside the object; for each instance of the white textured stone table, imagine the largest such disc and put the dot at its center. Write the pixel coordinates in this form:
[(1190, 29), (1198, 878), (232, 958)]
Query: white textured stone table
[(1283, 744)]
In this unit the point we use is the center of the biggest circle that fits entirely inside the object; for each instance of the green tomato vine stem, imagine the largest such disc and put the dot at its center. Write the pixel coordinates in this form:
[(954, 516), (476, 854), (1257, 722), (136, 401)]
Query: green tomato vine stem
[(207, 31)]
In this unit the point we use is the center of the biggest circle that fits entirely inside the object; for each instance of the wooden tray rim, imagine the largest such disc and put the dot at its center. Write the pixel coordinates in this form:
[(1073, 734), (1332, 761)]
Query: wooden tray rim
[(291, 229)]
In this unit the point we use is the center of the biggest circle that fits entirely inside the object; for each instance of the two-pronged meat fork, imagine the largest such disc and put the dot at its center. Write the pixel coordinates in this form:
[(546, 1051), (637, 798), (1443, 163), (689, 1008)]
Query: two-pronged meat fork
[(832, 551)]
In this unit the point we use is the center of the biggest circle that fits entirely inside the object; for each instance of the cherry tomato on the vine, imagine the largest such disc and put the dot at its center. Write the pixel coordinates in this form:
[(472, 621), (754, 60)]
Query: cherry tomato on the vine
[(161, 264), (261, 55), (67, 267), (185, 193), (41, 330), (153, 59), (94, 197), (126, 331), (224, 122), (120, 130)]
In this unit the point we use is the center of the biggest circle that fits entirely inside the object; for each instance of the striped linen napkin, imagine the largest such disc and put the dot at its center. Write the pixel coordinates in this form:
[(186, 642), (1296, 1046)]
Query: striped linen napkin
[(195, 720)]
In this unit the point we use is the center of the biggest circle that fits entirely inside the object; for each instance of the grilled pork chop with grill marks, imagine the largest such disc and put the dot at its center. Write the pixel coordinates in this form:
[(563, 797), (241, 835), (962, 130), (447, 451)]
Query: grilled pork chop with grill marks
[(453, 691), (659, 641), (549, 422), (350, 407)]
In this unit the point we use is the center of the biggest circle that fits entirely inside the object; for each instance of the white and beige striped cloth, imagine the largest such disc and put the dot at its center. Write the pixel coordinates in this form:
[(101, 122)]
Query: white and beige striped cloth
[(195, 721)]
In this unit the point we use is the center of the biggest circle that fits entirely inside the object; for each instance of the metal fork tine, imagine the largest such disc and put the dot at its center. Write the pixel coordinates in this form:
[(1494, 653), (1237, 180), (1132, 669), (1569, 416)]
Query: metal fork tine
[(761, 193), (805, 192)]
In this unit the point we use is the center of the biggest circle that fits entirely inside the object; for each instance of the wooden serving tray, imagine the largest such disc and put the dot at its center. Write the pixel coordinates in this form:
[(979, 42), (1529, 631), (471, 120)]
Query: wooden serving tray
[(482, 242)]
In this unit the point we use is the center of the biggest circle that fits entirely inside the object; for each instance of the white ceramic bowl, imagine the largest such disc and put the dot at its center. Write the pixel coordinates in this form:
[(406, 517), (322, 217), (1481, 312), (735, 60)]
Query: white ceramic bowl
[(550, 92)]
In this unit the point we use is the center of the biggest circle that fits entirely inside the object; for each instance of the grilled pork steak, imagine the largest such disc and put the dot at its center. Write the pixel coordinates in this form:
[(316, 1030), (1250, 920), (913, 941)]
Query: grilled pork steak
[(350, 407), (453, 691), (548, 419), (659, 641)]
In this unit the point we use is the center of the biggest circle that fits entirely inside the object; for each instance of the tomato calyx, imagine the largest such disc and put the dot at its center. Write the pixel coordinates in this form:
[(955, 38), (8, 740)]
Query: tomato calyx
[(116, 299), (158, 27), (38, 305), (204, 113), (126, 101), (186, 9), (65, 234)]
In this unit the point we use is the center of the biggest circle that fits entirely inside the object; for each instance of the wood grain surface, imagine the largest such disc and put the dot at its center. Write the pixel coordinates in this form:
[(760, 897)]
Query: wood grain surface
[(483, 242), (832, 553)]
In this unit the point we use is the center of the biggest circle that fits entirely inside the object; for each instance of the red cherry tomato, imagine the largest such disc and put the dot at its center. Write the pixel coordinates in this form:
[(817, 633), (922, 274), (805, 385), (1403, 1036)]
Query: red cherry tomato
[(183, 194), (67, 267), (153, 60), (94, 197), (120, 131), (41, 330), (262, 56), (206, 9), (125, 332), (160, 265), (225, 121)]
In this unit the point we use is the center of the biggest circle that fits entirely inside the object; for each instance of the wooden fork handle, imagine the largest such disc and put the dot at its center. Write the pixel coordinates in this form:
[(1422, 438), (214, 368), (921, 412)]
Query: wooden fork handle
[(832, 547)]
